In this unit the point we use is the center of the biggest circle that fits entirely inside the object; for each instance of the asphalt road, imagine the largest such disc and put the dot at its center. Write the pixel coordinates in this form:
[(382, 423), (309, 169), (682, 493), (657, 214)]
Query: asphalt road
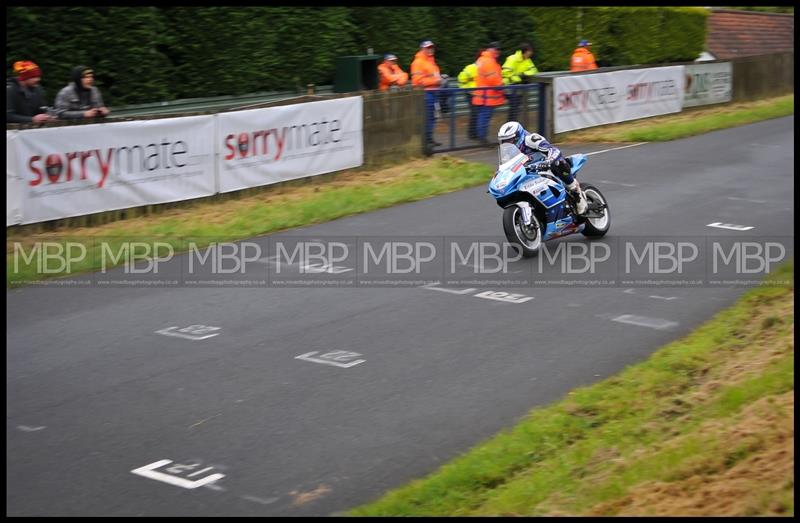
[(95, 392)]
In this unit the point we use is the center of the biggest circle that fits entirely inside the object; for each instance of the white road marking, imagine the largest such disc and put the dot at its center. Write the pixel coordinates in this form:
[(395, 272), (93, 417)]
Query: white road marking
[(148, 471), (503, 296), (199, 471), (308, 357), (324, 268), (269, 259), (615, 148), (186, 332), (433, 287), (473, 153), (203, 421), (633, 291), (260, 500), (644, 321), (587, 154), (745, 200), (617, 183), (25, 428), (730, 226)]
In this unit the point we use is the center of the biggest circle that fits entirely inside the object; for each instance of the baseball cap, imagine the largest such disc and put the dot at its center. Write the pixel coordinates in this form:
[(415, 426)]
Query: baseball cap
[(584, 43), (389, 56), (426, 43)]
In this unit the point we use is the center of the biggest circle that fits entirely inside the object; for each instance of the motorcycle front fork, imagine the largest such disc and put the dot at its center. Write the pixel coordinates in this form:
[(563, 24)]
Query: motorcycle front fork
[(527, 213)]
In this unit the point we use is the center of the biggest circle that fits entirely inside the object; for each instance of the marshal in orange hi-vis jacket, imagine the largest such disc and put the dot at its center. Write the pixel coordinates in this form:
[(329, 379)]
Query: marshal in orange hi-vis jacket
[(582, 58)]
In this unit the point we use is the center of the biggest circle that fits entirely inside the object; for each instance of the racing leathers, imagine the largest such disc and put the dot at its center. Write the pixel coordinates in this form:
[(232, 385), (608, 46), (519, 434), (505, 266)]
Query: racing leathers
[(538, 149)]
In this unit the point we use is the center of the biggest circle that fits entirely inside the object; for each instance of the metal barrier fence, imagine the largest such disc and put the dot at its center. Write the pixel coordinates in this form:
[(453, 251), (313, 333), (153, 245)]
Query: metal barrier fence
[(215, 103), (454, 121)]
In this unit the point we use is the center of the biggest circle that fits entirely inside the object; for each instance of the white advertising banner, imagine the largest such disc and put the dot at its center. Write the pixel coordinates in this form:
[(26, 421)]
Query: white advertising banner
[(78, 170), (264, 146), (650, 92), (586, 101), (602, 98), (708, 84), (13, 182)]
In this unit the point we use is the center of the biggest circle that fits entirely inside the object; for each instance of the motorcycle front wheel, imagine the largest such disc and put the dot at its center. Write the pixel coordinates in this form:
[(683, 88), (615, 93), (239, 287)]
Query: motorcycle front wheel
[(527, 239)]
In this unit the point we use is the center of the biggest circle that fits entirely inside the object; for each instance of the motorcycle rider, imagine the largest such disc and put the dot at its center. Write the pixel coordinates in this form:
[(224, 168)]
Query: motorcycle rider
[(531, 143)]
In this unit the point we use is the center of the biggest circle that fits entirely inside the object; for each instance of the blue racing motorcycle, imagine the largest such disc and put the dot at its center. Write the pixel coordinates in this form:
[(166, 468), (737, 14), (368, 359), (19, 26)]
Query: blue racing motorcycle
[(537, 206)]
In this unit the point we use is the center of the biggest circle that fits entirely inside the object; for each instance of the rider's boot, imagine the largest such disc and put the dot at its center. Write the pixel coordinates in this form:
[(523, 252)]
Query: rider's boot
[(580, 198)]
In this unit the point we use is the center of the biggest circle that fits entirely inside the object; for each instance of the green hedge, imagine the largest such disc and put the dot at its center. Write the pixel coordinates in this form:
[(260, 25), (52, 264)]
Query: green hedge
[(148, 54)]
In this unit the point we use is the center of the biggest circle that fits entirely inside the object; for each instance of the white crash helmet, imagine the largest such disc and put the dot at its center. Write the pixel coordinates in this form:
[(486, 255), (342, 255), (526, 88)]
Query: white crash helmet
[(511, 132)]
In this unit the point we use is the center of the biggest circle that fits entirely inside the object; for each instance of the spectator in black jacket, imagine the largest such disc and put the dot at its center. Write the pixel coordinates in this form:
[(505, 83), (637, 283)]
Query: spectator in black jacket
[(80, 99), (24, 96)]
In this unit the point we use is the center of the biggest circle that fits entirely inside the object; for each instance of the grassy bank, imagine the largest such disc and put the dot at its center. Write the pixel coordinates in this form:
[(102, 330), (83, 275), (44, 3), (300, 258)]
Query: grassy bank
[(704, 426), (273, 210), (688, 123)]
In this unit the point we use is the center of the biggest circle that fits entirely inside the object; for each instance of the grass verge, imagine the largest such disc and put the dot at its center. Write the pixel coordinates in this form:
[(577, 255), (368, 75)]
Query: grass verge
[(273, 210), (688, 123), (703, 427)]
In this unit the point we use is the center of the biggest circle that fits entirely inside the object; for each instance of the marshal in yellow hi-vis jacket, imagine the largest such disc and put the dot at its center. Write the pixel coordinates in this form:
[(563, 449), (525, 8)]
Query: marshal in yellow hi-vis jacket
[(518, 67)]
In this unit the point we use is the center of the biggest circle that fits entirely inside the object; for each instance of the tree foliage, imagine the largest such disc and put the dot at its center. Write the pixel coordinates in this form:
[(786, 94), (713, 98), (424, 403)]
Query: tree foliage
[(148, 54)]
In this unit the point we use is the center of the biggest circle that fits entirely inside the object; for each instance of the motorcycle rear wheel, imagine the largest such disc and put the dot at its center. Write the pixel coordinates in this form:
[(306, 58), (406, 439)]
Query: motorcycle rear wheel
[(595, 227)]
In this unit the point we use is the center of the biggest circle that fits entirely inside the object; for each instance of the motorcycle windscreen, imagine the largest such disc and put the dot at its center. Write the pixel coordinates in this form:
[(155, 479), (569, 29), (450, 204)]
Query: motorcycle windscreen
[(508, 153)]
